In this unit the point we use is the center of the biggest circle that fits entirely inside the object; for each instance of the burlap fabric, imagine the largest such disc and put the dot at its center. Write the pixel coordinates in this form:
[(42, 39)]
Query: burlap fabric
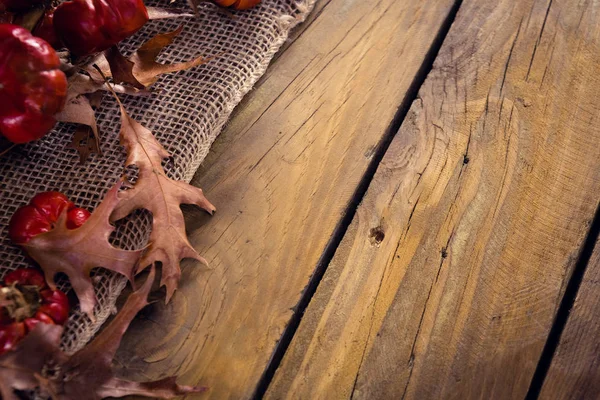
[(186, 115)]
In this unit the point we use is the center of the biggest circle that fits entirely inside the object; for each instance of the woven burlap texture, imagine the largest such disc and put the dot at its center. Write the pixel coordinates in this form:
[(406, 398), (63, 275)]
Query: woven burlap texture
[(186, 114)]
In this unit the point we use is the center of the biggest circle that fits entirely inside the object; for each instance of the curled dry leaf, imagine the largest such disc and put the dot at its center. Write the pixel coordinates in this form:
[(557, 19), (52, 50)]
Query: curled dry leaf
[(18, 368), (163, 13), (121, 68), (82, 94), (76, 252), (79, 110), (86, 139), (37, 361), (145, 69), (163, 197), (82, 84), (85, 142)]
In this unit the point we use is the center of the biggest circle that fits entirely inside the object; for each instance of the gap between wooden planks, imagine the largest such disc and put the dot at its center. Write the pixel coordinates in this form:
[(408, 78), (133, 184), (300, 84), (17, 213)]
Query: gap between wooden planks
[(281, 176), (574, 371), (448, 279)]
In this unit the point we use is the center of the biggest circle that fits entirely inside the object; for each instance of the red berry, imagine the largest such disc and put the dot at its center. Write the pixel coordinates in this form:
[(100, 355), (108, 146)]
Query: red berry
[(10, 335), (32, 86), (76, 217), (41, 214), (91, 26)]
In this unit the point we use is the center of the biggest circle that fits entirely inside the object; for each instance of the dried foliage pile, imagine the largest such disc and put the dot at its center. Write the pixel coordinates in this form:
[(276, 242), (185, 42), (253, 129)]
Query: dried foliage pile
[(57, 61)]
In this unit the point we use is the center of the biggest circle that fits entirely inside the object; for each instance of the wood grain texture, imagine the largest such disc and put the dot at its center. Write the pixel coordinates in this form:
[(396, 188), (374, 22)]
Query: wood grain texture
[(448, 279), (575, 369), (281, 176)]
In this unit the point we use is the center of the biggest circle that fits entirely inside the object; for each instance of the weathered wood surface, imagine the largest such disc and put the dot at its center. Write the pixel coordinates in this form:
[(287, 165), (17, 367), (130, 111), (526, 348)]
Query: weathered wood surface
[(575, 369), (281, 176), (448, 279)]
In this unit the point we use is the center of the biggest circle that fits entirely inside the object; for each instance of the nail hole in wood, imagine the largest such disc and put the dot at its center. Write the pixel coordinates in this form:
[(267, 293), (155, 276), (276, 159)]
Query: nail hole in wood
[(376, 235)]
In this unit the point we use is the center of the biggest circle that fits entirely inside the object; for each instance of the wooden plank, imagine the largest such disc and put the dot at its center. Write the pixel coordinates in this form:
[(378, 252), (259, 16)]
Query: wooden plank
[(448, 279), (575, 369), (281, 176)]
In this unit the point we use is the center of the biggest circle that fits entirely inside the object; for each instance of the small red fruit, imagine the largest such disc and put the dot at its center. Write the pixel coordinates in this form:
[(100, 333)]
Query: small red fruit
[(45, 29), (237, 4), (10, 335), (32, 87), (40, 215), (76, 217), (91, 26), (27, 301)]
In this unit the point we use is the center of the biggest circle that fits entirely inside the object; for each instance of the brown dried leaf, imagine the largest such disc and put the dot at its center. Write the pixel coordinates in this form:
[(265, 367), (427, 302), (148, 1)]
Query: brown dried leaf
[(98, 67), (152, 47), (79, 84), (93, 362), (85, 142), (86, 139), (83, 96), (95, 100), (145, 69), (76, 252), (78, 110), (162, 196), (19, 367), (162, 13), (121, 68), (88, 373), (82, 84)]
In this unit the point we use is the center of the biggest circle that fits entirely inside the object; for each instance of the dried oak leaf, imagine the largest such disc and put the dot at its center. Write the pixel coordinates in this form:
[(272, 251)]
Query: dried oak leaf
[(162, 196), (85, 142), (86, 139), (76, 252), (121, 68), (82, 94), (82, 84), (145, 69), (88, 373), (19, 368)]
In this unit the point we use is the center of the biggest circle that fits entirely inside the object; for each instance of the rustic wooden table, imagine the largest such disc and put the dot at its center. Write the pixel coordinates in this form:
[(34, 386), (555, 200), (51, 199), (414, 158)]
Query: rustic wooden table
[(406, 209)]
